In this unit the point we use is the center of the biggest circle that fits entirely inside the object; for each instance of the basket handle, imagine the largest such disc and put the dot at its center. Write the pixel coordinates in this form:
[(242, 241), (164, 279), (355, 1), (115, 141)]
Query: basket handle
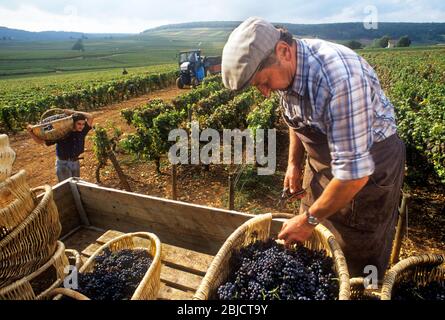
[(49, 111), (282, 215), (76, 256), (67, 292)]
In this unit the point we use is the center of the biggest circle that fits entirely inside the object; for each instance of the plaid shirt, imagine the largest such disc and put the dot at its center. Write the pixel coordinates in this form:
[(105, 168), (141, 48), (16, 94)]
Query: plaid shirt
[(337, 92)]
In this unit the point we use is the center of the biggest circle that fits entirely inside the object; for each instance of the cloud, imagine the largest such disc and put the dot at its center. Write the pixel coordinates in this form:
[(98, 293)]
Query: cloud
[(28, 17), (137, 15)]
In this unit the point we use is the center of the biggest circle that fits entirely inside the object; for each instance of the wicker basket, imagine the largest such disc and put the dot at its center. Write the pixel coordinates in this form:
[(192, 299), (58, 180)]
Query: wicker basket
[(258, 228), (16, 201), (53, 130), (26, 248), (7, 157), (52, 273), (359, 292), (149, 286), (422, 269)]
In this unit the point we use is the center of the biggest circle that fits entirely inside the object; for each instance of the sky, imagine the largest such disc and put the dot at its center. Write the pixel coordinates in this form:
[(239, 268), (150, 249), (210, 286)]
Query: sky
[(134, 16)]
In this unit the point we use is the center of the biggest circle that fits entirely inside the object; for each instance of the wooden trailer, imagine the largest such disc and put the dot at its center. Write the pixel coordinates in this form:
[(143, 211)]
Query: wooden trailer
[(190, 234)]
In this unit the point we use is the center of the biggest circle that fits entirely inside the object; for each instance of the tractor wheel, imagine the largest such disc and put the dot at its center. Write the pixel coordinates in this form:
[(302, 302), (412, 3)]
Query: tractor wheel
[(179, 83), (194, 82)]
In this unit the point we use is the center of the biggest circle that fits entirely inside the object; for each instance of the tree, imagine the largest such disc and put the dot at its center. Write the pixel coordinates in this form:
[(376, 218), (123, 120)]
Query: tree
[(354, 44), (381, 42), (404, 41), (78, 45)]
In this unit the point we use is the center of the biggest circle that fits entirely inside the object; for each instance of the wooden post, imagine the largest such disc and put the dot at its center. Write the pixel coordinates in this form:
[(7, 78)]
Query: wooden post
[(119, 171), (400, 229), (174, 186), (231, 193), (78, 202)]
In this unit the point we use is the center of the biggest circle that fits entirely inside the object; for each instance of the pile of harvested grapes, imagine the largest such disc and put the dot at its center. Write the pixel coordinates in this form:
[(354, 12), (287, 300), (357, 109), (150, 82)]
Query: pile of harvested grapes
[(270, 271), (409, 290), (116, 274), (53, 118)]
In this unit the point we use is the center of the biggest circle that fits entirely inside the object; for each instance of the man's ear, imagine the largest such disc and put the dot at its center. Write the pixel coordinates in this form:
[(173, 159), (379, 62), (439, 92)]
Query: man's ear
[(283, 51)]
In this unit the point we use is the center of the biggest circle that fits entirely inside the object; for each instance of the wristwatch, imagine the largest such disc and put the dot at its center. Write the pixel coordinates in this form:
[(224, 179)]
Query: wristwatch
[(313, 221)]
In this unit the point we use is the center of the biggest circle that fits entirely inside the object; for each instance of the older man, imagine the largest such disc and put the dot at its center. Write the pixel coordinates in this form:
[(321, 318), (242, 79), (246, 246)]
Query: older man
[(337, 113)]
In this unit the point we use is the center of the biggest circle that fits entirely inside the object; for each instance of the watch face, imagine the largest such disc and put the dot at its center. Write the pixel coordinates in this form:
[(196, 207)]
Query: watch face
[(312, 220)]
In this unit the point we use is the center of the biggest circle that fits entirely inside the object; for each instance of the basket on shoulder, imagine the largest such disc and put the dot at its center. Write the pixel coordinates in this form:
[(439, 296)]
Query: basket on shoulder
[(53, 127)]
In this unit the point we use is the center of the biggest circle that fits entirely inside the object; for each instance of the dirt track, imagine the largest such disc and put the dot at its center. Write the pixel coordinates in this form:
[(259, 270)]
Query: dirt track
[(39, 160)]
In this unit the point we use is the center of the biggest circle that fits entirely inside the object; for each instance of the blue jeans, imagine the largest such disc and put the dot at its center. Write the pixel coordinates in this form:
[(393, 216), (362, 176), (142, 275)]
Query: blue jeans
[(67, 169)]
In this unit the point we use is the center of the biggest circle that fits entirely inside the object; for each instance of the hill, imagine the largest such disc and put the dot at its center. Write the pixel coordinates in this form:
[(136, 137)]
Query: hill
[(22, 35), (420, 33)]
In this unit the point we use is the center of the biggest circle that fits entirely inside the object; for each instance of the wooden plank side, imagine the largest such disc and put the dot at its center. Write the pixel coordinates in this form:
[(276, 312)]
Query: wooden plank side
[(168, 293), (187, 260), (161, 216), (180, 279), (69, 218), (178, 258), (91, 249), (81, 239), (189, 239)]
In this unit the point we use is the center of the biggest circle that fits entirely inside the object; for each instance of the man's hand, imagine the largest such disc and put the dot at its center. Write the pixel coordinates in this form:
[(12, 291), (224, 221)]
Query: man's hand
[(68, 112), (296, 229), (29, 128), (292, 180)]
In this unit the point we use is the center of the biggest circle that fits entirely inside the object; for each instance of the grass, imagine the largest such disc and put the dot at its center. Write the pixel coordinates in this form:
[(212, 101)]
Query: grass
[(152, 48)]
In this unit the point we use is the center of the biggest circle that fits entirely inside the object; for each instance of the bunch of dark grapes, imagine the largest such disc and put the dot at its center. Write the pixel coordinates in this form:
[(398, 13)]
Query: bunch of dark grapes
[(116, 274), (270, 271), (53, 118), (409, 290)]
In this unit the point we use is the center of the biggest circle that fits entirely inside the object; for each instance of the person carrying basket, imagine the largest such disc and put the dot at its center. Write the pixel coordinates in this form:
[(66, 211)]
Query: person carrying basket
[(70, 147)]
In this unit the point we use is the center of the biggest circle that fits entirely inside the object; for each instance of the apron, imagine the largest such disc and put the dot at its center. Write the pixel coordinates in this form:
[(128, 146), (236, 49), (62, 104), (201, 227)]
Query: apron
[(365, 228)]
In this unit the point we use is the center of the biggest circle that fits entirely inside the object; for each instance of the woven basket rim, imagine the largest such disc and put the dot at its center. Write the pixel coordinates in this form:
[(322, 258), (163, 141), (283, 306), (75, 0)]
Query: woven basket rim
[(57, 254), (392, 275), (21, 174), (39, 125), (33, 215)]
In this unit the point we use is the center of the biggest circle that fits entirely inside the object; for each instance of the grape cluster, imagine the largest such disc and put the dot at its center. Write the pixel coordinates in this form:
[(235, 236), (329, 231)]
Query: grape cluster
[(409, 290), (116, 274), (269, 271), (53, 118)]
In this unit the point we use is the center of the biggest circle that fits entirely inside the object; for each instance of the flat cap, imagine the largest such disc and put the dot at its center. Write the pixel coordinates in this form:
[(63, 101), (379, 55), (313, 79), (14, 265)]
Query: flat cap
[(247, 47)]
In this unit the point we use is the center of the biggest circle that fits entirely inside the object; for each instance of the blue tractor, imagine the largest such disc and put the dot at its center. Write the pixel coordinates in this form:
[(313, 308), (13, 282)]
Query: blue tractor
[(194, 67)]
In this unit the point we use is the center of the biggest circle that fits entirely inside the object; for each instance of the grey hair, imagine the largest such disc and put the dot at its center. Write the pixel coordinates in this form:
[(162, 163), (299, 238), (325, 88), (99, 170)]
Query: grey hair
[(285, 36)]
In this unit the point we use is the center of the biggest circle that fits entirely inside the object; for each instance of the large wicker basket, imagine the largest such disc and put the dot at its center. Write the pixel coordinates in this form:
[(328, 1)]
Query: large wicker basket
[(28, 246), (16, 201), (422, 269), (258, 228), (148, 287), (29, 287), (7, 157), (53, 128)]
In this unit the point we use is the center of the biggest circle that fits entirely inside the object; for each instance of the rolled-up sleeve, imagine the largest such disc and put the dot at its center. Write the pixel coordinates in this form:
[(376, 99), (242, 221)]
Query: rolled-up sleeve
[(349, 118)]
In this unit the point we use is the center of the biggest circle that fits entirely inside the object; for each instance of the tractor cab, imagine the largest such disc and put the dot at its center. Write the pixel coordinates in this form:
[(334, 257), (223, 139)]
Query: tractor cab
[(191, 66)]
